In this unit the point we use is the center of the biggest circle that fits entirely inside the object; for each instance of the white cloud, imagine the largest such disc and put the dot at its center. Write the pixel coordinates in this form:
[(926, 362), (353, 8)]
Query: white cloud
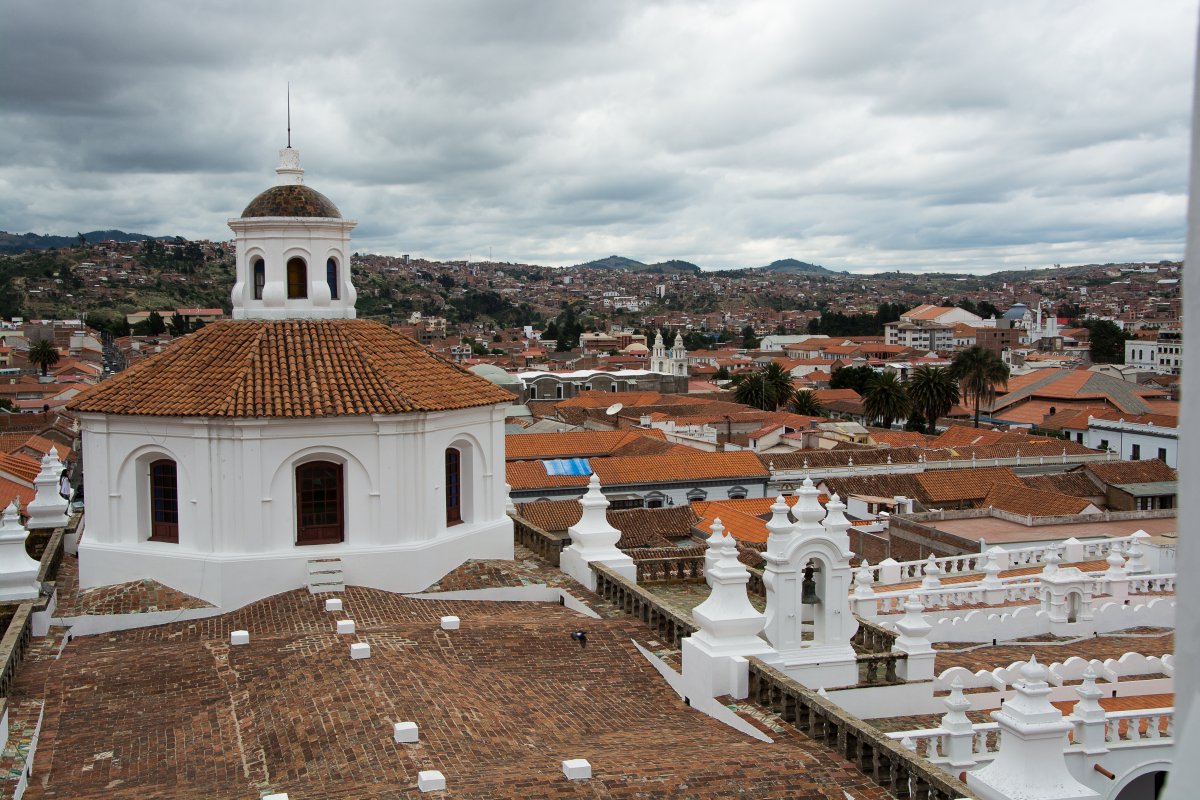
[(858, 135)]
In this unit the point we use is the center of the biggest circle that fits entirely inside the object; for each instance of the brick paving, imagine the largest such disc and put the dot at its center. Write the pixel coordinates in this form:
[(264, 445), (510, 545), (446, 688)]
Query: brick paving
[(1148, 642), (122, 598), (175, 712)]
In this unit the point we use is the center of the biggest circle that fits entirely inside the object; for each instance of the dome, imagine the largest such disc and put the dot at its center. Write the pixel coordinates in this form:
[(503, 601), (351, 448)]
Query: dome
[(496, 375), (291, 200)]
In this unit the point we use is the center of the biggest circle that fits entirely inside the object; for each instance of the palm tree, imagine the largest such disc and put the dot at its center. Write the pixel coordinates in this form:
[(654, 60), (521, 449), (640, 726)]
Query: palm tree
[(44, 354), (933, 391), (886, 398), (978, 373), (806, 403), (767, 388)]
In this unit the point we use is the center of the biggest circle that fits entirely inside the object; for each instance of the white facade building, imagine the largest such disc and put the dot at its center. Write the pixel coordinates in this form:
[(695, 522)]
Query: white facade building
[(1133, 440), (227, 464), (1141, 353)]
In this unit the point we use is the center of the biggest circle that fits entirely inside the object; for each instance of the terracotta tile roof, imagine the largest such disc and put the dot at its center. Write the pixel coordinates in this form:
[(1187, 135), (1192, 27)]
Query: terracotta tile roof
[(1149, 471), (1020, 499), (904, 485), (1076, 484), (1160, 420), (576, 444), (290, 368), (678, 467), (12, 489), (925, 311), (957, 435), (899, 438), (1079, 385), (744, 520), (526, 475), (23, 468), (840, 457), (958, 485), (639, 527)]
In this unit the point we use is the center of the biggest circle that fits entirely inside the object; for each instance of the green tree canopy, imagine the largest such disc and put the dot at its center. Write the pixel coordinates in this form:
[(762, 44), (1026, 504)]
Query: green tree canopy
[(855, 378), (933, 391), (806, 403), (979, 372), (1107, 341), (886, 398), (43, 354), (767, 388)]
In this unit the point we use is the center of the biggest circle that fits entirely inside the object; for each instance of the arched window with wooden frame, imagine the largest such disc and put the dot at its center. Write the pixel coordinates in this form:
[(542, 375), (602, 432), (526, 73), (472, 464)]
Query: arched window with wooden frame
[(331, 277), (320, 503), (260, 277), (297, 278), (164, 501), (453, 486)]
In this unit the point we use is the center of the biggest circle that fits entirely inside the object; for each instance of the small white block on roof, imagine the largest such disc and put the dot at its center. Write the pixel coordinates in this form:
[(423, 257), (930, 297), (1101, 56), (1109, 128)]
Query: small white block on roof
[(450, 623), (405, 731), (345, 626), (360, 650), (577, 769), (430, 780), (333, 604), (277, 796), (239, 637)]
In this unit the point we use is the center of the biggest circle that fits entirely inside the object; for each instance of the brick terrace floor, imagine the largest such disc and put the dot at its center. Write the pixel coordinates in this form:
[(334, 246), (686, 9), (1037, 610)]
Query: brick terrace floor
[(175, 712), (1147, 641), (122, 598)]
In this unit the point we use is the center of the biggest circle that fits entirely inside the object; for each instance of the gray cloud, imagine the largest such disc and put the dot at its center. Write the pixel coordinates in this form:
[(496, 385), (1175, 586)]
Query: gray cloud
[(859, 135)]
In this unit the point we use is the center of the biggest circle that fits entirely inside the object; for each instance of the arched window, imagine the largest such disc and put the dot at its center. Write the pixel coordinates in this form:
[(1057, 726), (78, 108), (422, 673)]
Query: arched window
[(164, 501), (260, 277), (320, 517), (331, 277), (655, 500), (297, 278), (696, 494), (453, 486), (737, 492)]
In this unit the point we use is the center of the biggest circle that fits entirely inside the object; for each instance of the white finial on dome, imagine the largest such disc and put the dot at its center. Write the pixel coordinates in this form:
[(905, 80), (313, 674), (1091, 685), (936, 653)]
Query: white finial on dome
[(289, 170)]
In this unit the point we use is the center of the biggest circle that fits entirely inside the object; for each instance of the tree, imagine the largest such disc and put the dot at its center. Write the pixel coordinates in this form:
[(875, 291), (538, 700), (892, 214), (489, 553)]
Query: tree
[(7, 405), (767, 388), (722, 374), (749, 340), (178, 325), (933, 391), (43, 354), (978, 372), (855, 378), (806, 403), (886, 398), (1107, 341)]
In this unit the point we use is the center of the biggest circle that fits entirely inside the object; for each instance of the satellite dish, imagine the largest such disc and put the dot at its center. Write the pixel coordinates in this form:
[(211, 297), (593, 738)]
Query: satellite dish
[(614, 408)]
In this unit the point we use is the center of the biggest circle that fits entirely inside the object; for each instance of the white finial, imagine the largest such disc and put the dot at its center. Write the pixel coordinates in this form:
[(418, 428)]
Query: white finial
[(864, 580), (933, 574), (1051, 561)]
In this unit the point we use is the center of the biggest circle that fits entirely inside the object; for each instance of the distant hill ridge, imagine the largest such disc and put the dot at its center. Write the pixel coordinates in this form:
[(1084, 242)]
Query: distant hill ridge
[(22, 242), (793, 265), (630, 265)]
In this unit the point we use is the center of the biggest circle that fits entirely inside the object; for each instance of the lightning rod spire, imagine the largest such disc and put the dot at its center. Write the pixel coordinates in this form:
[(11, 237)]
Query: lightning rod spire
[(289, 112)]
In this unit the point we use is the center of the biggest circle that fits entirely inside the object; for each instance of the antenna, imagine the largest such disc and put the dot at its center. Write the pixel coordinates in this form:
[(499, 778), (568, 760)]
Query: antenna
[(289, 113)]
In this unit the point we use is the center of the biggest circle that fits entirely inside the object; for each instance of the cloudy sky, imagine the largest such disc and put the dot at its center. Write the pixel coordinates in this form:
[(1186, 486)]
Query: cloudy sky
[(858, 135)]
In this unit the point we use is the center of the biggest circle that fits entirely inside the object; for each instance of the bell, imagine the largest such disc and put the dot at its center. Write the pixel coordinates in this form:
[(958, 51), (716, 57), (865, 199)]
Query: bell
[(808, 593), (808, 588)]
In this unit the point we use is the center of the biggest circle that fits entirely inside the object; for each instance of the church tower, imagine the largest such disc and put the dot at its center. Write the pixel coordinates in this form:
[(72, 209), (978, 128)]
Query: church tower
[(293, 252), (660, 362), (679, 362)]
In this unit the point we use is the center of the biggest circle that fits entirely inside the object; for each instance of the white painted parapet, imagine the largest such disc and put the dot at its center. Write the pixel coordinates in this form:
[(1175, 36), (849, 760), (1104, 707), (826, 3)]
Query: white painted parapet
[(18, 572), (1033, 734), (594, 539), (49, 508), (914, 641)]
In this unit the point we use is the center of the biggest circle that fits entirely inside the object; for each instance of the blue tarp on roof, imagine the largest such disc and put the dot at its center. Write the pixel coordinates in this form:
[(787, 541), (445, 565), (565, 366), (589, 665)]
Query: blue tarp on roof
[(567, 466)]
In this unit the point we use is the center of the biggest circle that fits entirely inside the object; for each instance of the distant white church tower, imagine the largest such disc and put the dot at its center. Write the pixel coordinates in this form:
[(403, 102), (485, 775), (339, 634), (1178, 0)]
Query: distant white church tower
[(669, 362)]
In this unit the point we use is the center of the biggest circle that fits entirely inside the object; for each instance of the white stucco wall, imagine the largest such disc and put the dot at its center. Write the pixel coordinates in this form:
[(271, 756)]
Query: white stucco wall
[(237, 508)]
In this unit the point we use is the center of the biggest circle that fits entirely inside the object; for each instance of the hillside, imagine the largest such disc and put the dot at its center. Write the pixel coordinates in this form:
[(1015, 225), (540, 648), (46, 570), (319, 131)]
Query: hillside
[(672, 266), (24, 242), (792, 265)]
